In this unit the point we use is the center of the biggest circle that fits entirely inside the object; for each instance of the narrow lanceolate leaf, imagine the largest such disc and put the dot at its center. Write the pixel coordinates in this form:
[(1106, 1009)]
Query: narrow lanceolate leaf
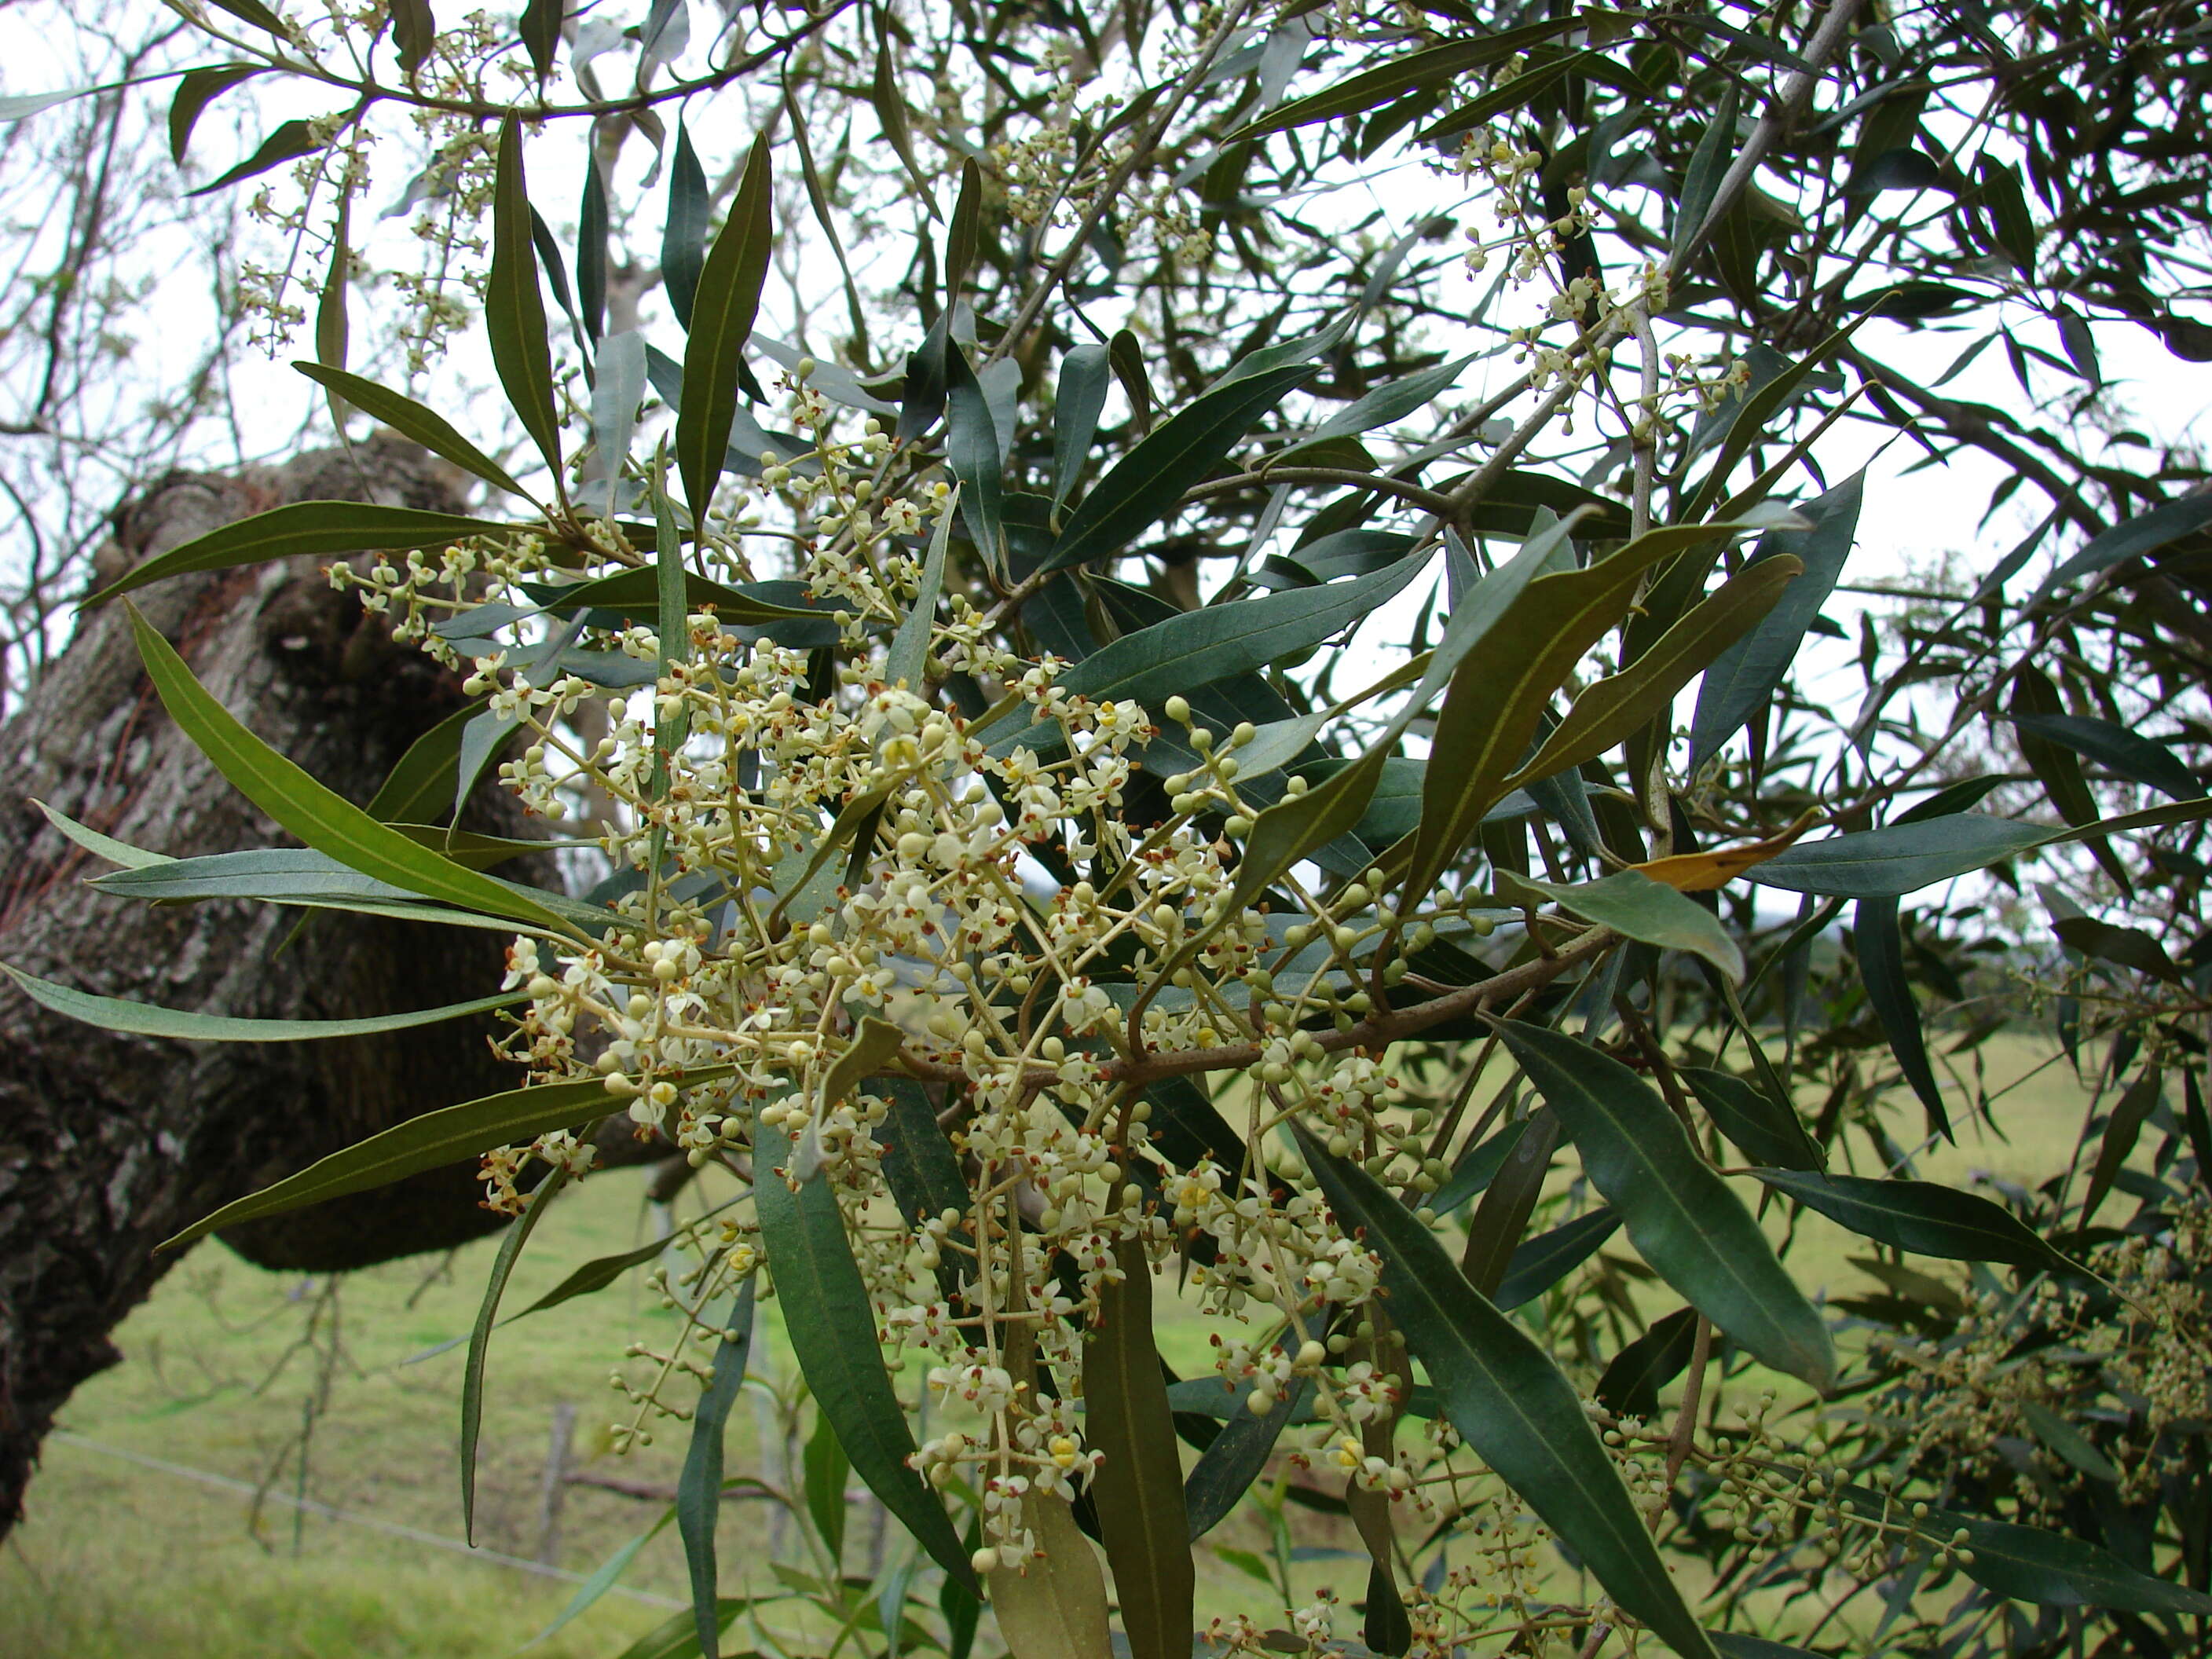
[(1879, 944), (1497, 697), (2135, 1105), (699, 1488), (971, 450), (411, 419), (1632, 1379), (684, 230), (637, 591), (104, 847), (327, 822), (1147, 483), (1197, 647), (873, 1047), (143, 1019), (1684, 1220), (1139, 1485), (1075, 410), (305, 530), (2028, 1565), (1509, 1403), (907, 661), (721, 321), (1621, 704), (515, 306), (197, 89), (1636, 906), (1544, 1260), (833, 1334), (288, 143), (1921, 1217), (1739, 684), (1899, 858), (429, 1142), (1386, 83), (1477, 1168), (1225, 1470), (2140, 759), (472, 1376), (1756, 1124), (415, 30), (1056, 1609)]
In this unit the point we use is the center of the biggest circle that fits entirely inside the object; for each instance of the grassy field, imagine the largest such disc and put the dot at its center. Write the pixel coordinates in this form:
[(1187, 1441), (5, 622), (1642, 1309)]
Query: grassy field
[(226, 1366)]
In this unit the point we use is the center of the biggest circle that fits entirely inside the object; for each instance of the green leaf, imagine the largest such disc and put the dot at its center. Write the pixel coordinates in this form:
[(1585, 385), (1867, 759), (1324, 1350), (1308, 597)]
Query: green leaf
[(2127, 947), (1075, 411), (891, 116), (1546, 1259), (1921, 1217), (472, 1376), (1620, 705), (1477, 1168), (415, 30), (301, 875), (304, 530), (2067, 1441), (253, 12), (961, 235), (1533, 82), (832, 1329), (2057, 768), (1633, 905), (25, 103), (2139, 759), (1437, 67), (540, 32), (143, 1019), (419, 785), (2027, 1564), (595, 1275), (1509, 1402), (195, 90), (1139, 1485), (1898, 858), (1879, 944), (907, 661), (637, 592), (1754, 417), (1709, 163), (873, 1047), (1125, 355), (1684, 1219), (100, 846), (730, 285), (684, 230), (429, 1142), (514, 306), (288, 143), (2146, 532), (1392, 401), (1147, 484), (1195, 648), (1743, 678), (603, 1579), (699, 1487), (2135, 1105), (822, 1479), (1225, 1470), (1754, 1123), (1630, 1386), (971, 450), (327, 822), (1497, 699), (411, 419), (2012, 226), (677, 1636)]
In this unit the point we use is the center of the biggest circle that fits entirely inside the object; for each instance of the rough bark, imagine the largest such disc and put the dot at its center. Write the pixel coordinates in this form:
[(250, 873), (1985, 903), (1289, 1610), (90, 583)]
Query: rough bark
[(110, 1144)]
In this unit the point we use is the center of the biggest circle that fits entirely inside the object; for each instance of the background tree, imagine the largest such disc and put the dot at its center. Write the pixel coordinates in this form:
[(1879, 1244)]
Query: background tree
[(1279, 900)]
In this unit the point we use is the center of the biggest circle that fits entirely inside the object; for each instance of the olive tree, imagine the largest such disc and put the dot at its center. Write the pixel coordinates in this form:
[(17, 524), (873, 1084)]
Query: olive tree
[(1111, 595)]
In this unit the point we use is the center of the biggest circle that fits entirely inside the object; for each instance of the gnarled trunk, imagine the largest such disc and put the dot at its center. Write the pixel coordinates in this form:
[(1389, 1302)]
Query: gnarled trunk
[(109, 1144)]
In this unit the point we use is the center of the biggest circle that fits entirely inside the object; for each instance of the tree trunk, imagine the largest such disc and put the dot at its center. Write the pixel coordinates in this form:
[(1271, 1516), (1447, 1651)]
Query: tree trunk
[(110, 1144)]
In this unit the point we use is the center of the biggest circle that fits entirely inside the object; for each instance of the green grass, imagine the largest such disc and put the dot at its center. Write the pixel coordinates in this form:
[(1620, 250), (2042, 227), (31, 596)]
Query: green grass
[(120, 1559)]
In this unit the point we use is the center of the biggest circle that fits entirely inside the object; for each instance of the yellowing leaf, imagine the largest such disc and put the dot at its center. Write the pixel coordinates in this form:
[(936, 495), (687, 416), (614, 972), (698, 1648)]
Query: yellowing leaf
[(1701, 873)]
